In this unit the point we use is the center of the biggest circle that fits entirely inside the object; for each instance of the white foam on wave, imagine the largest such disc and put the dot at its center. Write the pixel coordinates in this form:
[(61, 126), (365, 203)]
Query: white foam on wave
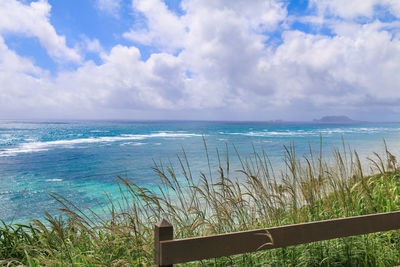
[(54, 180), (133, 144), (99, 131), (44, 146), (315, 132), (139, 144)]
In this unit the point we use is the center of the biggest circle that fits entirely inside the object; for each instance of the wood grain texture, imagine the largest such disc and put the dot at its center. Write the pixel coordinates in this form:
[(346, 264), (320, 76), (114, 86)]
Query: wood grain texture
[(163, 230), (198, 248)]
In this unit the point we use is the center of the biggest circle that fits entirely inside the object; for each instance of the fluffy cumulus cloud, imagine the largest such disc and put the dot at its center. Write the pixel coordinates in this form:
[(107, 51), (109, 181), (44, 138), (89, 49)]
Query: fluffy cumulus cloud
[(239, 59), (33, 21), (164, 29)]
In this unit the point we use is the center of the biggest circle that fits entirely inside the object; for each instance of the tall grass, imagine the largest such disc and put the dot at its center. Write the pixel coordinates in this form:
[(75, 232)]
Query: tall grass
[(230, 198)]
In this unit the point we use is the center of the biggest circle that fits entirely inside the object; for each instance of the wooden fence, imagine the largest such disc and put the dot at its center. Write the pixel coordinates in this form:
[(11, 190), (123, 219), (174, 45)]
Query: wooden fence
[(169, 251)]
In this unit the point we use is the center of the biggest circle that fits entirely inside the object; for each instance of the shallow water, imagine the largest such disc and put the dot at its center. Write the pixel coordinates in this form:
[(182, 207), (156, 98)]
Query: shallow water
[(81, 159)]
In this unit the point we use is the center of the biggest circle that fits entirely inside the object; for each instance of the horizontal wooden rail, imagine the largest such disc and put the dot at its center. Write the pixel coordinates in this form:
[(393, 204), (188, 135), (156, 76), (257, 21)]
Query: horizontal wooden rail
[(170, 251)]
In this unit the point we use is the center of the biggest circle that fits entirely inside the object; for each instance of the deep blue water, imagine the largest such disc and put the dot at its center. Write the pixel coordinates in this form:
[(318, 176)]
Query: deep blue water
[(81, 159)]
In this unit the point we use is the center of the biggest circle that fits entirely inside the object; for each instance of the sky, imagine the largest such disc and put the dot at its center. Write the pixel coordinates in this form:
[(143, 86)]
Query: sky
[(200, 60)]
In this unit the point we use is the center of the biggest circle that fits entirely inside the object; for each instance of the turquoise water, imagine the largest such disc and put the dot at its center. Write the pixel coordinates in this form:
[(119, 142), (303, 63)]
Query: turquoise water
[(81, 159)]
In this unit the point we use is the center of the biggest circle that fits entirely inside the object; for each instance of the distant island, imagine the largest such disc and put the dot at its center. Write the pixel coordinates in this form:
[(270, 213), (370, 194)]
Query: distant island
[(335, 119)]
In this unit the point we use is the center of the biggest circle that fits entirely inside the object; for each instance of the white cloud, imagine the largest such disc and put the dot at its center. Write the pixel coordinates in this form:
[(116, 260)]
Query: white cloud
[(223, 49), (33, 21), (216, 56), (122, 81), (164, 28), (340, 71), (21, 82), (91, 45), (10, 62), (264, 15), (110, 7), (355, 8)]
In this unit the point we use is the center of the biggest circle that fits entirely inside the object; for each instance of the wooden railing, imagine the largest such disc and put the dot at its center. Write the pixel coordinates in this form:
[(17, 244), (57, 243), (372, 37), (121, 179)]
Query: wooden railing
[(169, 251)]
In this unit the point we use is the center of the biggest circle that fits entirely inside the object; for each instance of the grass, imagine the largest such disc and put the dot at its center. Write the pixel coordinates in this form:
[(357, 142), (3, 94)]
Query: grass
[(226, 200)]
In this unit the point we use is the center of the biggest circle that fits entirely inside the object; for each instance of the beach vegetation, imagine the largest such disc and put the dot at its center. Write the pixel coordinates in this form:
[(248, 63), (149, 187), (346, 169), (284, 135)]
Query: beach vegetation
[(253, 195)]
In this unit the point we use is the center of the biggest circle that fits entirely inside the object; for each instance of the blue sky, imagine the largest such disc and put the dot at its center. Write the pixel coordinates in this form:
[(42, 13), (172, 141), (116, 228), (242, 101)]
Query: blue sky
[(201, 60)]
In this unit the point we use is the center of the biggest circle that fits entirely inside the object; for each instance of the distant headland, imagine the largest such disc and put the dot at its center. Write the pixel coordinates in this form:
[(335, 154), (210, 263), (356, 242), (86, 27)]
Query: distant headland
[(336, 119)]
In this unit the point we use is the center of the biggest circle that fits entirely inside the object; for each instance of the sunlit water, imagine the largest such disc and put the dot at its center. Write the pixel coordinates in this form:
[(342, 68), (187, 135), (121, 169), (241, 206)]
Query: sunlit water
[(81, 159)]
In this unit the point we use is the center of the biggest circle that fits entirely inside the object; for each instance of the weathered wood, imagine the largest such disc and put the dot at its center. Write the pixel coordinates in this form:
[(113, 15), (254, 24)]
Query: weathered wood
[(163, 230), (198, 248)]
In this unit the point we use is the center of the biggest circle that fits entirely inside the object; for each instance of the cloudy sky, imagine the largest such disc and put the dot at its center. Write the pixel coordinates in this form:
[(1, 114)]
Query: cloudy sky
[(202, 60)]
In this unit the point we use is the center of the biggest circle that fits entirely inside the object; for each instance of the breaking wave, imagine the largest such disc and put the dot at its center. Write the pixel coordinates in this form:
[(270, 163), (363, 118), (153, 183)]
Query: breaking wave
[(314, 132), (43, 146), (54, 180)]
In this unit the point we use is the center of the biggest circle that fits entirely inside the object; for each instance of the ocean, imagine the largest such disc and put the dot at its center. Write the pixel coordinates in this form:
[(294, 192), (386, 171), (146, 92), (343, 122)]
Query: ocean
[(81, 160)]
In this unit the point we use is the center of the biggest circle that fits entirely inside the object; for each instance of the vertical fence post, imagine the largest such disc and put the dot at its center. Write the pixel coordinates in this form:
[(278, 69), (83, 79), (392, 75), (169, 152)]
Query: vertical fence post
[(163, 230)]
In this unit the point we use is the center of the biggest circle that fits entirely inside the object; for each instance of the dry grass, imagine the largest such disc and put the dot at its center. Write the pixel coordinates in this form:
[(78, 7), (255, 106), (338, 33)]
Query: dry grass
[(252, 196)]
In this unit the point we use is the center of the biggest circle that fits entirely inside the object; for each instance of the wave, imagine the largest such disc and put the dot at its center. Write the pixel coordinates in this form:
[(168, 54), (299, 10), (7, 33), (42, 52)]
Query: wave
[(133, 144), (54, 180), (44, 146), (99, 131), (314, 132), (270, 134)]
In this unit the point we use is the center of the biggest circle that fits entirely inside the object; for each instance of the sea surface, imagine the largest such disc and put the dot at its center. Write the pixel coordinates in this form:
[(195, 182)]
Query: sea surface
[(81, 159)]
